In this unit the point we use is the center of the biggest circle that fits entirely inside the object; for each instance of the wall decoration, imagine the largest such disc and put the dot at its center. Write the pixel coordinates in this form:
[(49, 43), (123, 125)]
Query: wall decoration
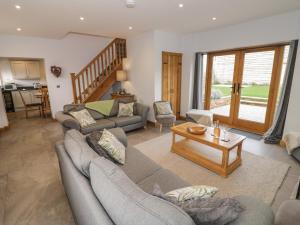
[(56, 71)]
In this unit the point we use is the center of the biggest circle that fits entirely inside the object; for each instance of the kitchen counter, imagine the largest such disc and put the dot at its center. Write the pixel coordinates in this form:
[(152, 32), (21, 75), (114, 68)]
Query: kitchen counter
[(24, 88), (13, 101)]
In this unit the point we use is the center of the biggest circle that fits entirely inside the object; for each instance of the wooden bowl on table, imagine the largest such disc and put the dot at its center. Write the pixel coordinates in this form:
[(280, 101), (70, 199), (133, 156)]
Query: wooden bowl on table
[(197, 130)]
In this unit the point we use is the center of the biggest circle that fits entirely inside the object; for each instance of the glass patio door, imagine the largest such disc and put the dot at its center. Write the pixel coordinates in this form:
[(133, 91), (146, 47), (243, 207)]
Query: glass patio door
[(242, 86), (221, 79), (256, 88)]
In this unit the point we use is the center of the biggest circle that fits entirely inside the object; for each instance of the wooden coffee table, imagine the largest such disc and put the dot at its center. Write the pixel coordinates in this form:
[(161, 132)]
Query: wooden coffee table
[(191, 152)]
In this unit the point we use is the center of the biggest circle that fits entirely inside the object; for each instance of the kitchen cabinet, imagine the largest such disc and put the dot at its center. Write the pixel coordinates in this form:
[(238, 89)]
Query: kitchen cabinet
[(25, 70), (19, 70)]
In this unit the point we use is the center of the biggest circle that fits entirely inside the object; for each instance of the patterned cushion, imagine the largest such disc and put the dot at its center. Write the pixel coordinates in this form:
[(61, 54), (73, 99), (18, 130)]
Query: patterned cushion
[(191, 192), (92, 140), (163, 108), (125, 109), (84, 117), (112, 146)]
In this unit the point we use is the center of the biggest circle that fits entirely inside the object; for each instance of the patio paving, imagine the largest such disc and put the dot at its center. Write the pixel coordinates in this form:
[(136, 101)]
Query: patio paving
[(247, 112)]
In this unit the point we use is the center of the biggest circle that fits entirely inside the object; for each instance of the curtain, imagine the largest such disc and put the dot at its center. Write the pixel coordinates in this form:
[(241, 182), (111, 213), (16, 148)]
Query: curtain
[(275, 133), (197, 88)]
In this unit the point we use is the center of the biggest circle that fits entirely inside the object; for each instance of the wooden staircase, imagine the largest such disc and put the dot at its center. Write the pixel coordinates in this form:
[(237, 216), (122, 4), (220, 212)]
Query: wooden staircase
[(95, 79)]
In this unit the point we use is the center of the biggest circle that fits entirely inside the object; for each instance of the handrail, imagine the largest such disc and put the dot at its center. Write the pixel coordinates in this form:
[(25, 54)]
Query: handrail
[(95, 72)]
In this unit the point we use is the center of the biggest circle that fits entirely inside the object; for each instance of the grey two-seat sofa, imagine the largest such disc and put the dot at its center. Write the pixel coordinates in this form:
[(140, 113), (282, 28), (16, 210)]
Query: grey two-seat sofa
[(144, 173), (138, 120)]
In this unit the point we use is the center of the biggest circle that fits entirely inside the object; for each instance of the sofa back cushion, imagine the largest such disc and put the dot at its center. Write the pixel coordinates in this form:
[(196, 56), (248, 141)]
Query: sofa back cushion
[(79, 151), (77, 107), (115, 109), (126, 203)]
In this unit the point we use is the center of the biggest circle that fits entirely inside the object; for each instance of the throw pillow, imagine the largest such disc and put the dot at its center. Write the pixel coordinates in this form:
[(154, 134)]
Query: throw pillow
[(163, 108), (112, 146), (191, 192), (92, 140), (208, 211), (125, 109), (83, 117)]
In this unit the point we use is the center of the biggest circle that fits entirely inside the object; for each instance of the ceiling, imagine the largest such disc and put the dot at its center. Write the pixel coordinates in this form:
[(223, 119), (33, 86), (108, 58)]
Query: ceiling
[(56, 18)]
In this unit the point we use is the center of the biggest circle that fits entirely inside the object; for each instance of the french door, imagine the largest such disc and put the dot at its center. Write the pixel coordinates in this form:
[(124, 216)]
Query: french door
[(242, 86)]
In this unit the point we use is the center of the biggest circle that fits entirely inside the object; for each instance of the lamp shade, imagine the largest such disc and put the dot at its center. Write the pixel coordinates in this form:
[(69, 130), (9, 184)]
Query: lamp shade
[(121, 75), (125, 64)]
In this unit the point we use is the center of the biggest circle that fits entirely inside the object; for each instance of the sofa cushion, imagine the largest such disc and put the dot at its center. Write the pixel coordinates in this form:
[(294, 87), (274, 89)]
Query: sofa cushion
[(83, 117), (126, 203), (164, 119), (115, 109), (79, 151), (112, 146), (256, 212), (77, 107), (296, 154), (99, 125), (135, 159), (92, 140), (124, 121), (165, 179), (125, 109), (288, 213), (163, 108)]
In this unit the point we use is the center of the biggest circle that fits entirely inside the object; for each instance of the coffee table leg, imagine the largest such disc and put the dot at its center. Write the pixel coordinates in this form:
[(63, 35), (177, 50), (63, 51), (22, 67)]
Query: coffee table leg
[(173, 141), (239, 151), (225, 159)]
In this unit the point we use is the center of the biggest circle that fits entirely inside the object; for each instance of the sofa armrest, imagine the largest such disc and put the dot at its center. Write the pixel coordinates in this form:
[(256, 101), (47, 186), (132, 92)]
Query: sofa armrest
[(67, 121), (142, 110), (120, 135), (288, 213)]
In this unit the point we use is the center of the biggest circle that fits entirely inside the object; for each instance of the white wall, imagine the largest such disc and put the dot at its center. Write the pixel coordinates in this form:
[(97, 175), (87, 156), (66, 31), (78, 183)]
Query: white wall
[(3, 116), (140, 52), (145, 59), (269, 30), (163, 41), (71, 53)]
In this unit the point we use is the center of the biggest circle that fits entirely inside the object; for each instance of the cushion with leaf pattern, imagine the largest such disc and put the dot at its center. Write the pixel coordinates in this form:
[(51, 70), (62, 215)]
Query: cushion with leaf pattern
[(163, 108), (112, 146), (83, 117), (125, 109), (187, 193)]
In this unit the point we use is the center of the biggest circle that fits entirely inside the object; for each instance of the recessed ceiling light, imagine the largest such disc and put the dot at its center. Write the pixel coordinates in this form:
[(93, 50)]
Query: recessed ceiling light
[(81, 18), (130, 28), (180, 5), (17, 6), (19, 29), (214, 18)]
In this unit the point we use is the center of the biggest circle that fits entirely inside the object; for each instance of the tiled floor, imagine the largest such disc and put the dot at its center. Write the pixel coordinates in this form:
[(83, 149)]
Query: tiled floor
[(30, 189)]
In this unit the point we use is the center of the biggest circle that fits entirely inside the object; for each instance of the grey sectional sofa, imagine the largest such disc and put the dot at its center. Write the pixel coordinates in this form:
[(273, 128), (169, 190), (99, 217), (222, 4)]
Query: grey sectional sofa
[(138, 120), (143, 173)]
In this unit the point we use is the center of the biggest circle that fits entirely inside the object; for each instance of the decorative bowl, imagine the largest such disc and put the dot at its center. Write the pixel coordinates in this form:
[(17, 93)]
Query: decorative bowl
[(198, 130)]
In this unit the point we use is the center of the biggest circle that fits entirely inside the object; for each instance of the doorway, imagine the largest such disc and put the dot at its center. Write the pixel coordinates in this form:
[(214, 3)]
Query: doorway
[(242, 86), (171, 80)]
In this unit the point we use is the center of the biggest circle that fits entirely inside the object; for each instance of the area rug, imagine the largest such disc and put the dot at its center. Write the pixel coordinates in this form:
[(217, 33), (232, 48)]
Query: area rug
[(257, 176)]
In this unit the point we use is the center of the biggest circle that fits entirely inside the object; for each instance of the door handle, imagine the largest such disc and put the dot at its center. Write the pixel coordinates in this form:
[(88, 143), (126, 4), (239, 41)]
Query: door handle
[(239, 88), (233, 88)]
